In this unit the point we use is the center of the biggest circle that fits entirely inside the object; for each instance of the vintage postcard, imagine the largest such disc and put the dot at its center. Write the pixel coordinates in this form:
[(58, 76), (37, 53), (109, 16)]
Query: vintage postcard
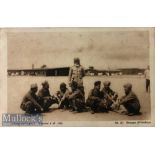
[(77, 77)]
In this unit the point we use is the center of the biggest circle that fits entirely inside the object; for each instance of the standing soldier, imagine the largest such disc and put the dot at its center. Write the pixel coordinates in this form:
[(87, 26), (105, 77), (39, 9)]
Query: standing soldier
[(109, 96), (147, 77), (30, 103), (130, 101), (76, 74), (76, 98), (63, 96), (46, 99)]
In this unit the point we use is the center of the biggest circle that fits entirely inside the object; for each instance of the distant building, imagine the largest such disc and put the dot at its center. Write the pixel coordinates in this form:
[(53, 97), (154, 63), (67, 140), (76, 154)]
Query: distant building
[(64, 71), (131, 71)]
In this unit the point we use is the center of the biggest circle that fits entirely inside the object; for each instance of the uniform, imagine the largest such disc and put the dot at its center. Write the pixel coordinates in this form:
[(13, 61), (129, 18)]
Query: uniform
[(76, 74), (46, 100), (63, 97), (30, 103), (76, 99), (131, 102)]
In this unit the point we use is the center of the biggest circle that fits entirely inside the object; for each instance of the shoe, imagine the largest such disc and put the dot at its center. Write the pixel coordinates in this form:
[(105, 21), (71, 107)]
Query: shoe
[(79, 111), (46, 110), (60, 107), (124, 113), (131, 114), (92, 112), (72, 110)]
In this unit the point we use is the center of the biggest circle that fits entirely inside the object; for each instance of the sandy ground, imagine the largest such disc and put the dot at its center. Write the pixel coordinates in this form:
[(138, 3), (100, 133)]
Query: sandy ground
[(18, 86)]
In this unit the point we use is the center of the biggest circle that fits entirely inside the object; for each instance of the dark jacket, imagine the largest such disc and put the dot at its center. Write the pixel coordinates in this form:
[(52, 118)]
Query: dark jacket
[(44, 93), (94, 94)]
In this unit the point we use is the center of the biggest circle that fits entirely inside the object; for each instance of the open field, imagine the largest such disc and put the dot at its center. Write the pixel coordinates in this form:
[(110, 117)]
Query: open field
[(19, 85)]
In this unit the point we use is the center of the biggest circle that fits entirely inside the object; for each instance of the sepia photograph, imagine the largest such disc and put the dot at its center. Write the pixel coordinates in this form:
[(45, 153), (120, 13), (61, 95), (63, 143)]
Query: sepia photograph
[(78, 76)]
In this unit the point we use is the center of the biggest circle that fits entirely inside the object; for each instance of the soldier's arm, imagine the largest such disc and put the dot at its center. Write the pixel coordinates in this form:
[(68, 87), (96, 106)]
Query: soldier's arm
[(63, 98), (105, 95), (73, 95), (49, 93), (114, 94), (95, 98), (67, 94), (90, 96), (58, 94), (126, 98), (24, 98), (40, 94)]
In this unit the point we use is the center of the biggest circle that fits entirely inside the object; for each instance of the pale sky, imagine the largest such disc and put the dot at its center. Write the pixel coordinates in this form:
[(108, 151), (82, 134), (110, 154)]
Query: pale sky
[(100, 49)]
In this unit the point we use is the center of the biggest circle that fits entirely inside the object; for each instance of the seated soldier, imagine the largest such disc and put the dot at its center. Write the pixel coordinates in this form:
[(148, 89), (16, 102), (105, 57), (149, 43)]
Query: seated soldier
[(109, 96), (94, 100), (76, 98), (30, 103), (63, 95), (130, 101), (46, 100)]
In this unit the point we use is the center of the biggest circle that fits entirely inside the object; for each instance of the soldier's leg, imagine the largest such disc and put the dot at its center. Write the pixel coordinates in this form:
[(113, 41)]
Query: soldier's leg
[(88, 103), (115, 97), (22, 106), (82, 89), (54, 100), (105, 106), (61, 106), (132, 108), (94, 106), (47, 102), (127, 107), (73, 105), (28, 107), (79, 105), (66, 103)]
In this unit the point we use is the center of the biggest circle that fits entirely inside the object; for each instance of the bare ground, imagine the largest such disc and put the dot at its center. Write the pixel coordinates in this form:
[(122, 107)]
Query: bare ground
[(18, 86)]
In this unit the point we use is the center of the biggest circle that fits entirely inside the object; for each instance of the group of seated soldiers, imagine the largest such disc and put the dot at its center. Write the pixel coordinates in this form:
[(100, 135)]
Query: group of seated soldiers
[(99, 100)]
